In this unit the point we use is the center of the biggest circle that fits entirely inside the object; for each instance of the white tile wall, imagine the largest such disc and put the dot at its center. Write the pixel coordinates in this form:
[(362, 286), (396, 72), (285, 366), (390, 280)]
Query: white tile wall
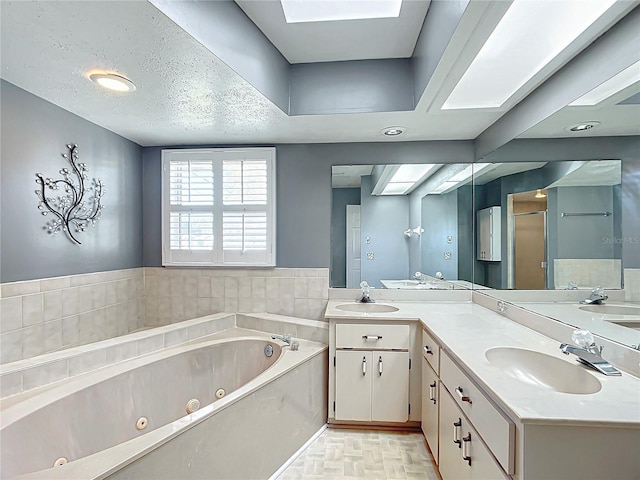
[(587, 272), (632, 284), (176, 294), (46, 315)]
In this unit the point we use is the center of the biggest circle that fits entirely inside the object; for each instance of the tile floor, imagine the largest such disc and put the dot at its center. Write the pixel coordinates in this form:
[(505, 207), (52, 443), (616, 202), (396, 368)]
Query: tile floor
[(363, 454)]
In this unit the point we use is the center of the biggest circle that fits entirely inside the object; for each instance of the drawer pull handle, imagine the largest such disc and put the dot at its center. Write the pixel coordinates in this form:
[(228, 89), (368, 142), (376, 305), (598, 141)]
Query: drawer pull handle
[(372, 337), (462, 396), (380, 366), (465, 448), (456, 432), (427, 350), (364, 366), (432, 392)]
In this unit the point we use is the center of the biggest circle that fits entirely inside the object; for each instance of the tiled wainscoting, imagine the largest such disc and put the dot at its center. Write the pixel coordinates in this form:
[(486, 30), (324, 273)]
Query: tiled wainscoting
[(47, 315), (176, 294)]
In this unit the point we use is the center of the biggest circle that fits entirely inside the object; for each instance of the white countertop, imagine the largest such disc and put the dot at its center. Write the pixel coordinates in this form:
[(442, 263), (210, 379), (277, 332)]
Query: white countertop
[(466, 331)]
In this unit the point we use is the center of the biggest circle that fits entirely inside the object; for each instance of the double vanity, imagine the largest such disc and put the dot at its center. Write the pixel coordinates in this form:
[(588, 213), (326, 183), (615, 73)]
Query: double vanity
[(495, 399)]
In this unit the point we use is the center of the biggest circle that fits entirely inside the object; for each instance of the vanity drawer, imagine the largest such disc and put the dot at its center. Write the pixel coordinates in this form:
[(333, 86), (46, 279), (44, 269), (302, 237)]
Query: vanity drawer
[(372, 336), (494, 427), (431, 351)]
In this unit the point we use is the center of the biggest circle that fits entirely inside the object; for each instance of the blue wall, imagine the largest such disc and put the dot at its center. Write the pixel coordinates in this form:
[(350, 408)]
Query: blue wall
[(34, 133), (383, 219)]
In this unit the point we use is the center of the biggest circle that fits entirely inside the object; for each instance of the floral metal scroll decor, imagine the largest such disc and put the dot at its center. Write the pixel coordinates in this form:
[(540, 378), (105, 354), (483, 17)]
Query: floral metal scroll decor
[(73, 204)]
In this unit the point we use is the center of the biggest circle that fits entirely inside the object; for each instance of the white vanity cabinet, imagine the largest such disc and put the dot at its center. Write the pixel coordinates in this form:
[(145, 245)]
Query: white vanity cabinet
[(430, 391), (370, 375), (463, 455), (488, 242)]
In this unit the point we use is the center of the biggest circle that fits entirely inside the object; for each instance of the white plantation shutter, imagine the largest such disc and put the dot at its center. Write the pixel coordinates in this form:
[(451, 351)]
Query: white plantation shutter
[(219, 207)]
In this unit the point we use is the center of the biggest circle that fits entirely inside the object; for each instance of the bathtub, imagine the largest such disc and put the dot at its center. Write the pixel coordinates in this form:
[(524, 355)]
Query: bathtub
[(131, 420)]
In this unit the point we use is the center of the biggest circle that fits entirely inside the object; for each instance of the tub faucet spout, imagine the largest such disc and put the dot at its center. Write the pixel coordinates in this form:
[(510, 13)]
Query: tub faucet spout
[(286, 338)]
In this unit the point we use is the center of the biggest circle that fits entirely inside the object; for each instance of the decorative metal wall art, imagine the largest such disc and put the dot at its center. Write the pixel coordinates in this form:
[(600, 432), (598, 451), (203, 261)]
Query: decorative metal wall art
[(79, 206)]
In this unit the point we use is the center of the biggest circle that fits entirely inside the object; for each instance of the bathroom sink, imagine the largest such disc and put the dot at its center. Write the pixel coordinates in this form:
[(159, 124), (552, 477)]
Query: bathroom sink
[(543, 370), (612, 309), (366, 308)]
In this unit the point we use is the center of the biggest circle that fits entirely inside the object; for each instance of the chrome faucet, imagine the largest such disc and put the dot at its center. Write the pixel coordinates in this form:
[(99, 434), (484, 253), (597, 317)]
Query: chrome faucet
[(286, 338), (588, 352), (597, 297), (422, 278), (365, 297)]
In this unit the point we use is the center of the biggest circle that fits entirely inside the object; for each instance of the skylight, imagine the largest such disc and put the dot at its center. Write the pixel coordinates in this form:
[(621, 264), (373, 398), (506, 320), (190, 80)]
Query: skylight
[(529, 36), (299, 11), (406, 177), (612, 86)]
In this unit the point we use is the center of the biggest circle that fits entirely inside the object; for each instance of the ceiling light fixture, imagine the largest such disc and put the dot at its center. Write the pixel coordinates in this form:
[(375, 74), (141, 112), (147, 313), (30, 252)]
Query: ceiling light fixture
[(300, 11), (393, 131), (622, 80), (539, 194), (581, 127), (522, 44), (112, 81)]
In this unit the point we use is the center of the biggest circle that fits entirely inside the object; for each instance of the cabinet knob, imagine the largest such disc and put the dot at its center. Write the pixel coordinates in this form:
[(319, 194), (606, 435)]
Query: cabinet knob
[(432, 392), (372, 337), (364, 366), (427, 350), (380, 366)]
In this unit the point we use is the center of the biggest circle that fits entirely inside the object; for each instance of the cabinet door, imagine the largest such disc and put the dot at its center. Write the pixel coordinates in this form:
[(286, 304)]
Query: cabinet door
[(354, 371), (451, 464), (463, 455), (390, 387), (430, 407), (484, 235)]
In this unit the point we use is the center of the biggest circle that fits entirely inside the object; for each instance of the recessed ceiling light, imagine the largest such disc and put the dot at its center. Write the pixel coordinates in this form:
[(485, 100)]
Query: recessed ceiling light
[(581, 127), (299, 11), (112, 81), (522, 44), (392, 131)]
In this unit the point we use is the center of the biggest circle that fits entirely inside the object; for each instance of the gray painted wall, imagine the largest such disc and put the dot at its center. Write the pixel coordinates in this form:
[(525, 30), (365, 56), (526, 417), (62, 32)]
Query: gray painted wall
[(383, 218), (351, 87), (341, 197), (34, 133), (439, 220), (304, 192)]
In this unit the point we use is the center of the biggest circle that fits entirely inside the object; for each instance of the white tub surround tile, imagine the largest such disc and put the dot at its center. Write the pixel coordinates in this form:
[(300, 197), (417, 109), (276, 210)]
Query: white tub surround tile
[(18, 375), (632, 284), (196, 292), (313, 330), (70, 311)]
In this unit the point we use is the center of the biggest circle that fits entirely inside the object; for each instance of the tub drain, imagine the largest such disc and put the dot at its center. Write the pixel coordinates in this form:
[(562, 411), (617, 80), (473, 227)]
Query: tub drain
[(142, 422), (220, 393), (61, 461), (193, 405)]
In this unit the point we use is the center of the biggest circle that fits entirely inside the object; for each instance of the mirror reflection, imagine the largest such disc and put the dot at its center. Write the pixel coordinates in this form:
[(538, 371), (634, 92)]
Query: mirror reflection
[(539, 225)]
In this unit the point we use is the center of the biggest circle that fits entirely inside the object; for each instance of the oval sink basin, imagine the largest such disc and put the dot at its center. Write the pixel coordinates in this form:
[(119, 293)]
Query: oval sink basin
[(543, 370), (366, 308), (612, 309)]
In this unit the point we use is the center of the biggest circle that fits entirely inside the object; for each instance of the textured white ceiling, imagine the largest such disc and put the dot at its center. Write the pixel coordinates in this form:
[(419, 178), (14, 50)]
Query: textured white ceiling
[(186, 95), (338, 41)]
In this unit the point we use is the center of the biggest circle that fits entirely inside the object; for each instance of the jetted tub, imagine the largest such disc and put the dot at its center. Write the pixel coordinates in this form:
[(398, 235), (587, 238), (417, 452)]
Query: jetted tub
[(130, 420)]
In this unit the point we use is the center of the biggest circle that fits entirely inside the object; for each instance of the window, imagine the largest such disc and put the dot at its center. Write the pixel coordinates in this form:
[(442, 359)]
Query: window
[(218, 207)]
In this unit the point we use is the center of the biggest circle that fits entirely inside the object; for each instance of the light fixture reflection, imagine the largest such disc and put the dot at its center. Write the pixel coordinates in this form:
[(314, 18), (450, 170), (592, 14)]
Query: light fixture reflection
[(539, 194)]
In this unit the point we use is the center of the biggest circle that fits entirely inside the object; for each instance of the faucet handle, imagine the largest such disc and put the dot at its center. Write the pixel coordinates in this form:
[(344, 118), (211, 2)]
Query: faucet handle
[(597, 290), (583, 338)]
